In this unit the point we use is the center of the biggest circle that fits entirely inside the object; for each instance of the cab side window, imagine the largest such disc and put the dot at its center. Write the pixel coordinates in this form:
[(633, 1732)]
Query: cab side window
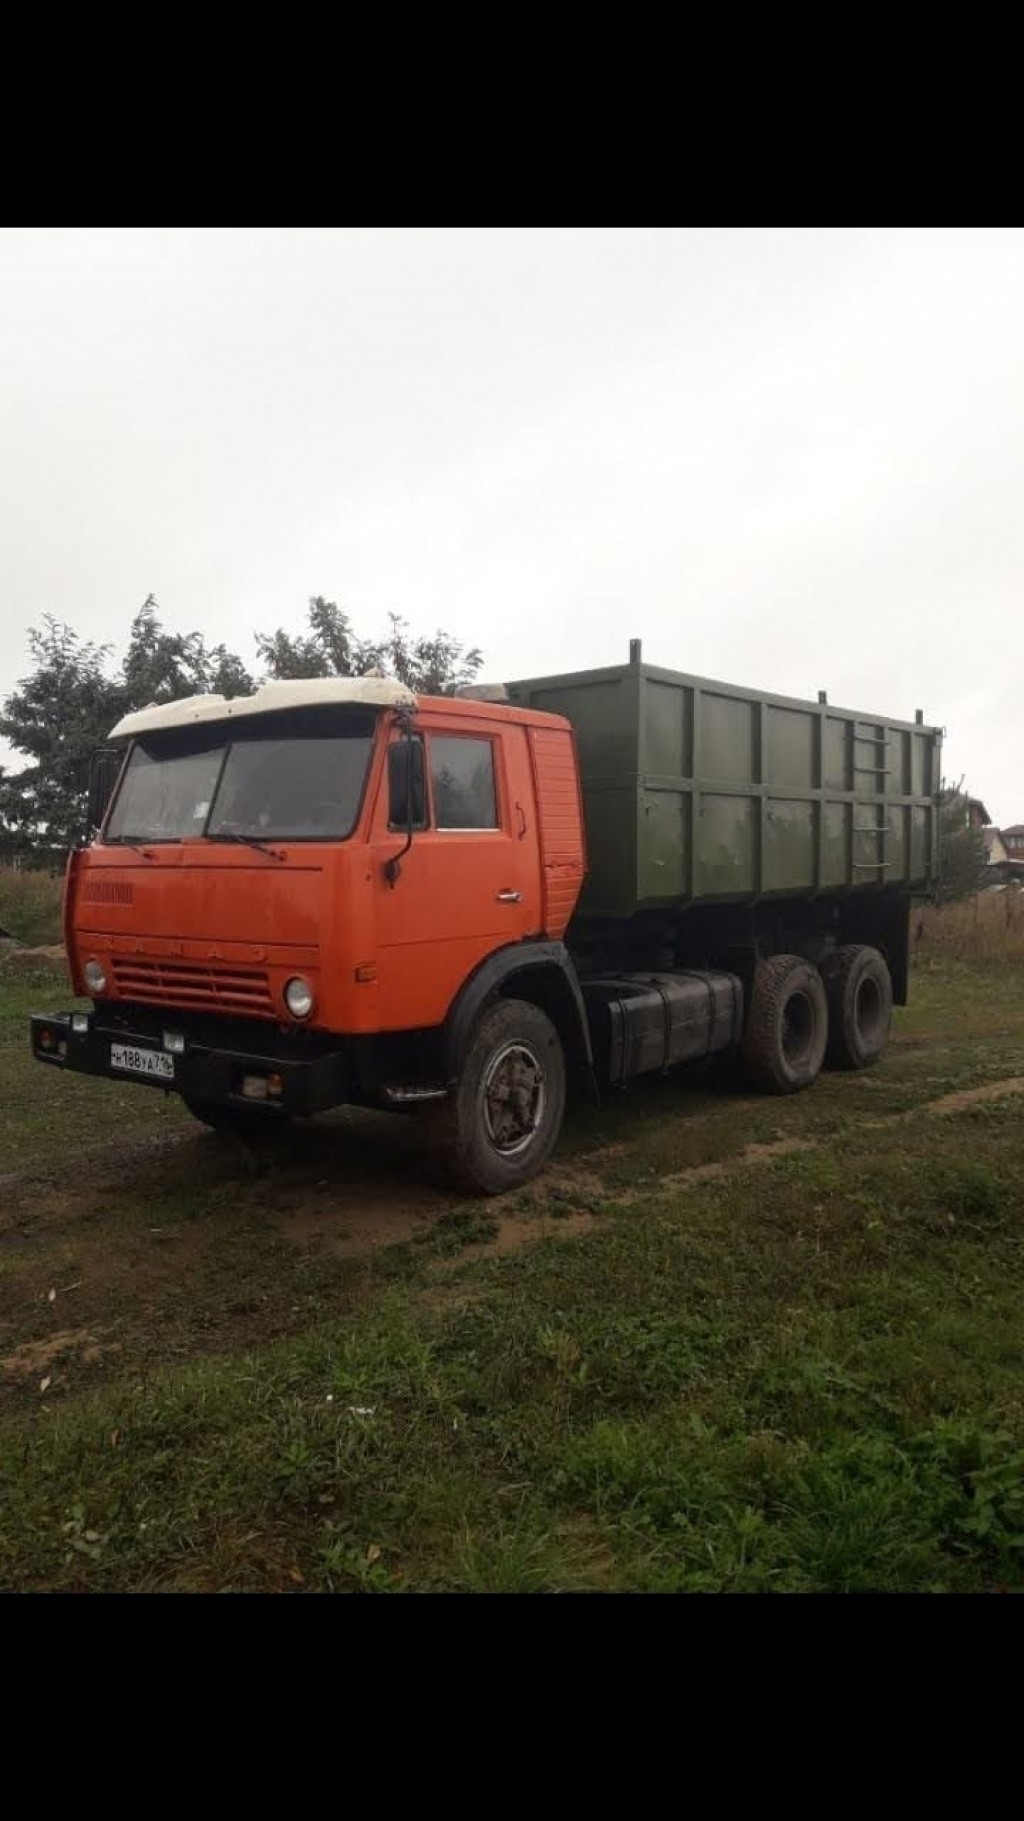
[(462, 776), (405, 773)]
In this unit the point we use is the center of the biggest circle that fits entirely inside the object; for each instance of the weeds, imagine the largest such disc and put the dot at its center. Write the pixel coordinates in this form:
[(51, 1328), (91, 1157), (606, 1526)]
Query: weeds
[(988, 927), (30, 906)]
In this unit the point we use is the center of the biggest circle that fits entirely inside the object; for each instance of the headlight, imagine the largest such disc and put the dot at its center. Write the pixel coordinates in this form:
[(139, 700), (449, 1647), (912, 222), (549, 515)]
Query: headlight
[(298, 997), (94, 977)]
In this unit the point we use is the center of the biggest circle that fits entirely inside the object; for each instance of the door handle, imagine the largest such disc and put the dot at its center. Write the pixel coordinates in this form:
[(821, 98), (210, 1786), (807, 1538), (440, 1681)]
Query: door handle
[(510, 897)]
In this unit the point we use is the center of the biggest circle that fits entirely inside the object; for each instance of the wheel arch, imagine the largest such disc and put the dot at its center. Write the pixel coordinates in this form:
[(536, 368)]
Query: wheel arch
[(542, 973)]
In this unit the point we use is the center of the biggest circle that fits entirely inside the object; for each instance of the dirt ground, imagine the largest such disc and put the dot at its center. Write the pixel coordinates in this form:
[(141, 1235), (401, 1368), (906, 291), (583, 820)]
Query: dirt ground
[(169, 1243)]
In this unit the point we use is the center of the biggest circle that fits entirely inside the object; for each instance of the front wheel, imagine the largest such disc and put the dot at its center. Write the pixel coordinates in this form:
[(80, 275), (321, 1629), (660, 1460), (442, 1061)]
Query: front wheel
[(500, 1122)]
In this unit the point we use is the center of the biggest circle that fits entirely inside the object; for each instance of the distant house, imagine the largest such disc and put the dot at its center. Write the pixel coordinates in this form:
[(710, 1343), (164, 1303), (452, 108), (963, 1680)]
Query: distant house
[(977, 814), (1006, 854), (1004, 846)]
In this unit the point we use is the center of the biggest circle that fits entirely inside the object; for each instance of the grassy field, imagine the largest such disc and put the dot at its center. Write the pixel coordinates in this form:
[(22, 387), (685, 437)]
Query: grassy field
[(988, 927), (725, 1344), (30, 906)]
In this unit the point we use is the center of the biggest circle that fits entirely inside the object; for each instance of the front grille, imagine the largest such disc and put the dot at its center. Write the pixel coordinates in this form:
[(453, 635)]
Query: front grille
[(190, 983), (108, 891)]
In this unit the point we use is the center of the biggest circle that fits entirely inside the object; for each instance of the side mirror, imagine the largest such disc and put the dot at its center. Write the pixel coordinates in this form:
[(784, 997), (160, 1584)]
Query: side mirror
[(406, 796), (104, 771)]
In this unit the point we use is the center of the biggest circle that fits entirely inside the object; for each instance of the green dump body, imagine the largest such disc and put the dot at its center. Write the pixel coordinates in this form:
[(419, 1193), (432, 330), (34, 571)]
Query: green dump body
[(696, 792)]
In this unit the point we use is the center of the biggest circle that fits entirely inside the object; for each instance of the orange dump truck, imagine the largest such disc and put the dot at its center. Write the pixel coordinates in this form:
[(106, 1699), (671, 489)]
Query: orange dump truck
[(335, 892)]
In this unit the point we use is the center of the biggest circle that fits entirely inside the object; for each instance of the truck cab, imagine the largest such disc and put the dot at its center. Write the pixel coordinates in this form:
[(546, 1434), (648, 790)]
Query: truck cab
[(306, 896)]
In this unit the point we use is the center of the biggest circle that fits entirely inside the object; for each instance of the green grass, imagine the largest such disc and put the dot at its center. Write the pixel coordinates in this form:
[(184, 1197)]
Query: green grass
[(48, 1118), (30, 906), (798, 1372)]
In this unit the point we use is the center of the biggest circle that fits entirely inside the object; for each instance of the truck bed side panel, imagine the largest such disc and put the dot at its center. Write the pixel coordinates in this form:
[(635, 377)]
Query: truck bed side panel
[(699, 792)]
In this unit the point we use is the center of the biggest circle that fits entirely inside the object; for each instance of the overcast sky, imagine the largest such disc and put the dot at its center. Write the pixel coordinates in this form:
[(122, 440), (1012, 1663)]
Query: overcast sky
[(791, 459)]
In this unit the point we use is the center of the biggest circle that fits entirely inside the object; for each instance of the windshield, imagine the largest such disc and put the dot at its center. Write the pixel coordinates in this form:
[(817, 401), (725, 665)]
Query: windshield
[(305, 783)]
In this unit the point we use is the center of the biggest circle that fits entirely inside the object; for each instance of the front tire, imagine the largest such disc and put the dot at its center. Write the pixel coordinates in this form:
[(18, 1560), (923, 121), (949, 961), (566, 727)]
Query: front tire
[(784, 1043), (499, 1124)]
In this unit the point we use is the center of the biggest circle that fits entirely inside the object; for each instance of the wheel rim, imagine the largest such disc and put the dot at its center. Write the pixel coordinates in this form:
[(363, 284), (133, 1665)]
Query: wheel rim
[(797, 1028), (514, 1098), (870, 1012)]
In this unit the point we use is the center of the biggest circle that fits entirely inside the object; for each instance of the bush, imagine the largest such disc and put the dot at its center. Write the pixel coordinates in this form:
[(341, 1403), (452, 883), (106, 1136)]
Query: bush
[(30, 906)]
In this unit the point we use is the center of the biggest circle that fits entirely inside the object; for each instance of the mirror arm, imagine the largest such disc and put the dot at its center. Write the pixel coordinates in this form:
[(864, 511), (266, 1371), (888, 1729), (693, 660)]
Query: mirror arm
[(393, 867)]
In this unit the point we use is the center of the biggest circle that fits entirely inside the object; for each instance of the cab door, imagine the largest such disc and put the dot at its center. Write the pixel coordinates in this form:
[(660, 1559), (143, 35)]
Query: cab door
[(466, 885)]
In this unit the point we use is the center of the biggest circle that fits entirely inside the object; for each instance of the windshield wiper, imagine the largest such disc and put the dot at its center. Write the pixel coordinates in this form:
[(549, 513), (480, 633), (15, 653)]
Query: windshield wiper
[(247, 840), (125, 841)]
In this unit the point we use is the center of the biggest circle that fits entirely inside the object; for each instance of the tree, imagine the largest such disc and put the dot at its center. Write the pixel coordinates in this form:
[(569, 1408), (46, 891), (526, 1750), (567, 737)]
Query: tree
[(328, 650), (64, 710), (163, 666), (435, 666), (432, 666), (963, 855), (59, 714), (56, 717)]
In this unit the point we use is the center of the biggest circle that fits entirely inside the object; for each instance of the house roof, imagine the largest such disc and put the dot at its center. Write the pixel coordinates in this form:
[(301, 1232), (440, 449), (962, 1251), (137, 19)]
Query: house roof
[(1017, 828), (976, 803)]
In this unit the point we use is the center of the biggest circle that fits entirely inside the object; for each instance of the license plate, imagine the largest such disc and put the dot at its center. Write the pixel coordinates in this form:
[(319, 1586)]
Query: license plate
[(134, 1061)]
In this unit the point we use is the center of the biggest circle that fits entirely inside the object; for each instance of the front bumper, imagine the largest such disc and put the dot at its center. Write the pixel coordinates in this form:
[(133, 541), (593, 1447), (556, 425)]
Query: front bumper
[(206, 1069)]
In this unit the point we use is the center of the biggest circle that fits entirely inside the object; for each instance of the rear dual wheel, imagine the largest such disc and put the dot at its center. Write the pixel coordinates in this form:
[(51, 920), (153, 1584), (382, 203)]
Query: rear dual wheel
[(799, 1020), (784, 1043), (859, 987)]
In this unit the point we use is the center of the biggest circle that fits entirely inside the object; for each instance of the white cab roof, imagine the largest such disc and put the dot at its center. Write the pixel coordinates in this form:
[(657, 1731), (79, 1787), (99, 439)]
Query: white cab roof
[(271, 698)]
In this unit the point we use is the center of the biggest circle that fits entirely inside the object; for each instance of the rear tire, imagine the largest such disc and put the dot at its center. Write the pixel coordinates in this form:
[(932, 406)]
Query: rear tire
[(859, 987), (784, 1043), (499, 1124)]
